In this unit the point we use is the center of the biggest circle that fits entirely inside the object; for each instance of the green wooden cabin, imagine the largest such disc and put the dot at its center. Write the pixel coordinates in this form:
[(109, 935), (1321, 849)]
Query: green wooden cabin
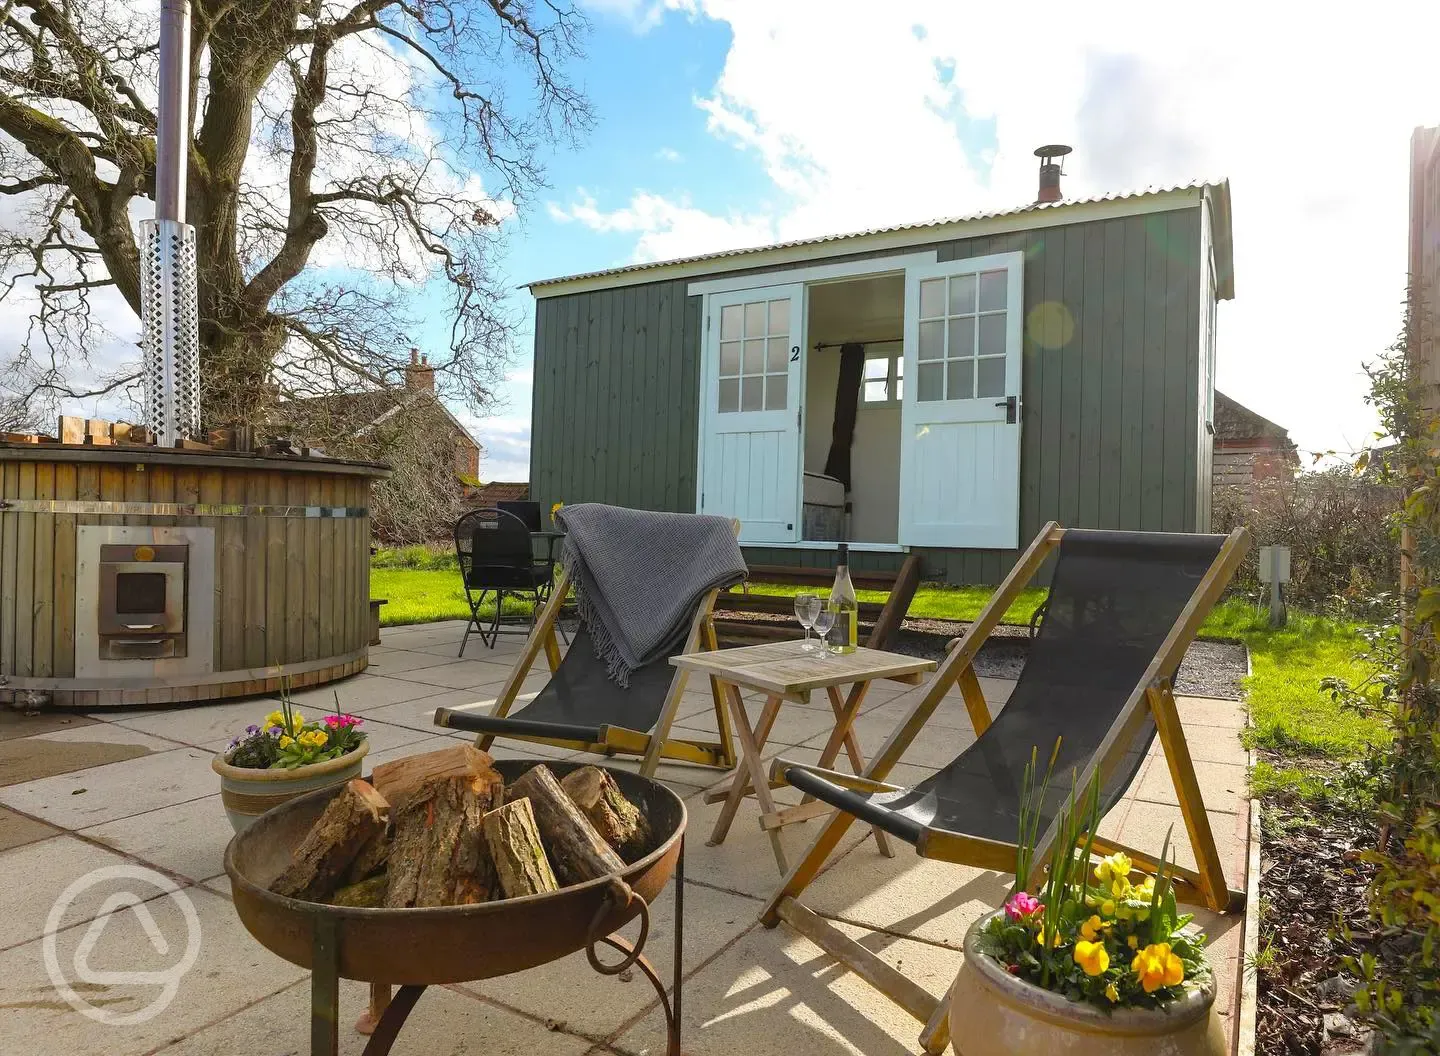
[(990, 373)]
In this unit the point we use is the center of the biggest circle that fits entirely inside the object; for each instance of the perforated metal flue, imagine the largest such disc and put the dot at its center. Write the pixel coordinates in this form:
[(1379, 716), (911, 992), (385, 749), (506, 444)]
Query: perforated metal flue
[(170, 320)]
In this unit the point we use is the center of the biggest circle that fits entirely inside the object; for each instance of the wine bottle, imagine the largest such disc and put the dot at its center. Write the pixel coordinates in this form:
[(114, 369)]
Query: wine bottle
[(844, 635)]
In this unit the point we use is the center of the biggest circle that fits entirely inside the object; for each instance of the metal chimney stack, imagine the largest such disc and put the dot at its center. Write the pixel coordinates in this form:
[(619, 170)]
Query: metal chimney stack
[(1051, 169), (169, 313)]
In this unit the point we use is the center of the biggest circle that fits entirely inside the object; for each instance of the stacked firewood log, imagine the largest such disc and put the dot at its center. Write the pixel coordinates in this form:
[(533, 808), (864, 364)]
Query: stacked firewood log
[(99, 432), (443, 829)]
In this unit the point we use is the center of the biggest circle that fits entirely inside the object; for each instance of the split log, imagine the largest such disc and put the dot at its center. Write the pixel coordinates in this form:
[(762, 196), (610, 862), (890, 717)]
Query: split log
[(368, 894), (319, 864), (515, 847), (400, 780), (614, 817), (71, 429), (438, 855), (372, 857), (577, 852)]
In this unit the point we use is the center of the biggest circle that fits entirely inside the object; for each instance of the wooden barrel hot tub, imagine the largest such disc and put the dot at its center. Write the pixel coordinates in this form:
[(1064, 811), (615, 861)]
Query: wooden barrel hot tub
[(142, 575)]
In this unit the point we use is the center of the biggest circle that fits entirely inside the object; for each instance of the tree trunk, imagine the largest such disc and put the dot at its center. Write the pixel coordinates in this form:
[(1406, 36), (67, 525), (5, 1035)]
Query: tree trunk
[(577, 852), (350, 820), (438, 855), (520, 862), (614, 817), (236, 353)]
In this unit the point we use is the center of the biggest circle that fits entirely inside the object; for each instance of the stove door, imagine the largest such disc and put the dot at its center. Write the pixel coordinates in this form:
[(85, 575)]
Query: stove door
[(142, 597)]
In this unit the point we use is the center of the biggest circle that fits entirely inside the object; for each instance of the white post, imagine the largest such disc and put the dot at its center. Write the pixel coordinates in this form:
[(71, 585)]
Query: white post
[(168, 288)]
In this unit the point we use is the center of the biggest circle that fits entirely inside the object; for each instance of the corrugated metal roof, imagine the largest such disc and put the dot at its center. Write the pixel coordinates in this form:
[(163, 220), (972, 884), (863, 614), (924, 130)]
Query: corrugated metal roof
[(1031, 207)]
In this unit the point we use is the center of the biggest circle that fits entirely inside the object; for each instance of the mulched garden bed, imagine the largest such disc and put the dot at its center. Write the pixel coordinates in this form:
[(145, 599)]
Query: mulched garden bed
[(1210, 668), (1310, 884)]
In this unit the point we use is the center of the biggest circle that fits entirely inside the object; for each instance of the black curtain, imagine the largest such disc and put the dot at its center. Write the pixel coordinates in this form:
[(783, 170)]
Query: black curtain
[(847, 402)]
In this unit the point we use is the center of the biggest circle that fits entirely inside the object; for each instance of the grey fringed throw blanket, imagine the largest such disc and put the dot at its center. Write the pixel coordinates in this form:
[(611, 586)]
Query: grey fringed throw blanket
[(639, 575)]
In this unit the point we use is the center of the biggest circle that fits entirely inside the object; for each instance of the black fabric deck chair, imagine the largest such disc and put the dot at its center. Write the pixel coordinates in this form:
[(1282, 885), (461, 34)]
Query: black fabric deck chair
[(581, 708), (1122, 609)]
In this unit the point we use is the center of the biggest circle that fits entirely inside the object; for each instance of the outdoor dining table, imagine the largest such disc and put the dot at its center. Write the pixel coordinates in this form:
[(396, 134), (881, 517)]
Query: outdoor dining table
[(782, 672)]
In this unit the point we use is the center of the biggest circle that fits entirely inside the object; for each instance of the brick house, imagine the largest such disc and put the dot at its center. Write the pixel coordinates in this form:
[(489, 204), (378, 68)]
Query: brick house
[(500, 491), (337, 419), (1249, 447)]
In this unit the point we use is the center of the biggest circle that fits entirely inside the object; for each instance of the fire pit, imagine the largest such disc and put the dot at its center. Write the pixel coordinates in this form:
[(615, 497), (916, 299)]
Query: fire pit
[(416, 948)]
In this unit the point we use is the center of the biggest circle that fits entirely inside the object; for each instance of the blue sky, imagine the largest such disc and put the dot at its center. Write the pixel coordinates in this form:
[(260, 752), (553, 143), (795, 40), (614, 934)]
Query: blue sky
[(724, 123), (728, 123)]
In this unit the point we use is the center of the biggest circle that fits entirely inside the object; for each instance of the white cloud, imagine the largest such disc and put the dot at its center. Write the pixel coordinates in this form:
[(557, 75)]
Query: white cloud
[(506, 443), (666, 228), (642, 15), (856, 119), (669, 154)]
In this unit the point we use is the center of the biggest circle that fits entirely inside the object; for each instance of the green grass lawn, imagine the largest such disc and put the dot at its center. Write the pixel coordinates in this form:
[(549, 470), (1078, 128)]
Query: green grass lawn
[(935, 602), (418, 595), (1290, 714)]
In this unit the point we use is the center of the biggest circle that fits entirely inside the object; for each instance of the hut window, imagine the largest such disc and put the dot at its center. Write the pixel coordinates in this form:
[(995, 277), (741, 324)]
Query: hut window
[(754, 356), (883, 381), (962, 337)]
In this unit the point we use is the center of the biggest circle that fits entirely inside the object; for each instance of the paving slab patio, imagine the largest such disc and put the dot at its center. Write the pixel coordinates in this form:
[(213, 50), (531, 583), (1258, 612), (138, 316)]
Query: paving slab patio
[(748, 989)]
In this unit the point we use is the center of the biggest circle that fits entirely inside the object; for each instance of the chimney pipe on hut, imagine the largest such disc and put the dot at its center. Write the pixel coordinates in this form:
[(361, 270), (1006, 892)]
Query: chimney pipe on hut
[(1051, 168)]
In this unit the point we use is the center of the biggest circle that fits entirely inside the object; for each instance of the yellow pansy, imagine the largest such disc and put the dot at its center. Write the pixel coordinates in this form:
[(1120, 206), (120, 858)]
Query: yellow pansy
[(277, 718), (1052, 940), (286, 740), (1107, 907), (1133, 942), (1092, 956), (1112, 992), (1116, 867), (1156, 966), (1092, 928), (313, 738)]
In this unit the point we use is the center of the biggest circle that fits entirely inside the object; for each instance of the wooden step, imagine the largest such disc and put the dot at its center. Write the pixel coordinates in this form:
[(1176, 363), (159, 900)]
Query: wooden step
[(732, 601), (750, 632), (793, 574)]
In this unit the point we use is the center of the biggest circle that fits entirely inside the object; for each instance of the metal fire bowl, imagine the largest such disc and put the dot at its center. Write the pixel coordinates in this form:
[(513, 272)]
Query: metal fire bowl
[(447, 944)]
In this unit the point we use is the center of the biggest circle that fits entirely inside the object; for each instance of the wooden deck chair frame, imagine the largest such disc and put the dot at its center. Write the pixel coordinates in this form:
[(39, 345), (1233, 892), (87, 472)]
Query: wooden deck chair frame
[(1202, 886), (651, 746)]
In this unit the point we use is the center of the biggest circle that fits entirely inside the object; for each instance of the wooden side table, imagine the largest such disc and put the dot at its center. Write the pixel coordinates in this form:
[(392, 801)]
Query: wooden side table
[(782, 672)]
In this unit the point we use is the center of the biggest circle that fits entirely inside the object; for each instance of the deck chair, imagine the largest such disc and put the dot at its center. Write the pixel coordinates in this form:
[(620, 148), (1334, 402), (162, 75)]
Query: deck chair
[(1122, 609), (582, 709)]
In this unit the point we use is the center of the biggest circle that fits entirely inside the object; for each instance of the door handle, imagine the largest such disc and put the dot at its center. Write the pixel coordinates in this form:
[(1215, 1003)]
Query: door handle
[(142, 626), (1010, 404)]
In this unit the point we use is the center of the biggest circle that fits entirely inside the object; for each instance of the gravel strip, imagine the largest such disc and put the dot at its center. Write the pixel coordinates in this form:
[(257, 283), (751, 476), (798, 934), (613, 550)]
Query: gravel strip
[(1210, 668)]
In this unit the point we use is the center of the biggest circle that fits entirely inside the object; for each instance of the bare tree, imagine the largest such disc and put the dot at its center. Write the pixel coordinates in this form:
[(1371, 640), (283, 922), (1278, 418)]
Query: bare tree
[(336, 161)]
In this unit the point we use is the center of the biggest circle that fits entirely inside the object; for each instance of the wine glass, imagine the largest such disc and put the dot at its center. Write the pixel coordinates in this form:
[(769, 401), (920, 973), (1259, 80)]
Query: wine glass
[(824, 620), (807, 606)]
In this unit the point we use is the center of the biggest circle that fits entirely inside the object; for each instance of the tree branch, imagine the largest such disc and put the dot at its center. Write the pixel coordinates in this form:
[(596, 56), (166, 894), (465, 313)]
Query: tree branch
[(306, 226)]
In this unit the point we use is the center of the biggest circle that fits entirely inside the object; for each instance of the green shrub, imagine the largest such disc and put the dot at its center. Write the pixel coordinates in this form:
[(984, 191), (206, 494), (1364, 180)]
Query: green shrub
[(426, 557), (1340, 528)]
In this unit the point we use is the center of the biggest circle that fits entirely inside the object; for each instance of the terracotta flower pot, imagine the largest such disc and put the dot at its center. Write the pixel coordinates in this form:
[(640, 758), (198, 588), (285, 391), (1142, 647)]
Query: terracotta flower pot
[(247, 793), (993, 1013)]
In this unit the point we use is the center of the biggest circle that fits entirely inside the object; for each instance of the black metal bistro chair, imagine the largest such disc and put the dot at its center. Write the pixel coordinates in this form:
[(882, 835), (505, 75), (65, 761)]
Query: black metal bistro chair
[(1122, 609), (526, 510), (529, 512), (497, 560)]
